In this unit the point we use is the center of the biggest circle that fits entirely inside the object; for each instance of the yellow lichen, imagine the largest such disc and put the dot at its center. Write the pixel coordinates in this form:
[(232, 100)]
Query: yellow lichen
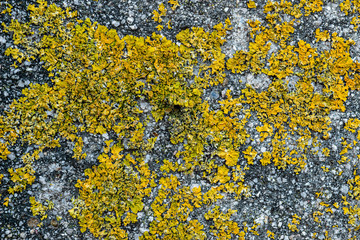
[(112, 75)]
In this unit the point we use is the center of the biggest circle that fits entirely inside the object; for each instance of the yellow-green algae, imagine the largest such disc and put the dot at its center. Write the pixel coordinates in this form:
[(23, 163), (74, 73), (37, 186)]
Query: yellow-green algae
[(98, 79)]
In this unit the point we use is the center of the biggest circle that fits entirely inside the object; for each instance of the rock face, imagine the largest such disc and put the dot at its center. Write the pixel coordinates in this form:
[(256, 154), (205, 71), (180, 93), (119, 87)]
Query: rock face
[(179, 119)]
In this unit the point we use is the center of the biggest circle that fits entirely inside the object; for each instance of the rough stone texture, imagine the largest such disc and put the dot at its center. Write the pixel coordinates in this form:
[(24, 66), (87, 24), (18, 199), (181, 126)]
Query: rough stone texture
[(276, 194)]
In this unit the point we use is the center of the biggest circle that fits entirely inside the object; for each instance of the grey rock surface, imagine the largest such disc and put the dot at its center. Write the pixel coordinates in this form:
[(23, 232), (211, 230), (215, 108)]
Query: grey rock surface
[(275, 194)]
